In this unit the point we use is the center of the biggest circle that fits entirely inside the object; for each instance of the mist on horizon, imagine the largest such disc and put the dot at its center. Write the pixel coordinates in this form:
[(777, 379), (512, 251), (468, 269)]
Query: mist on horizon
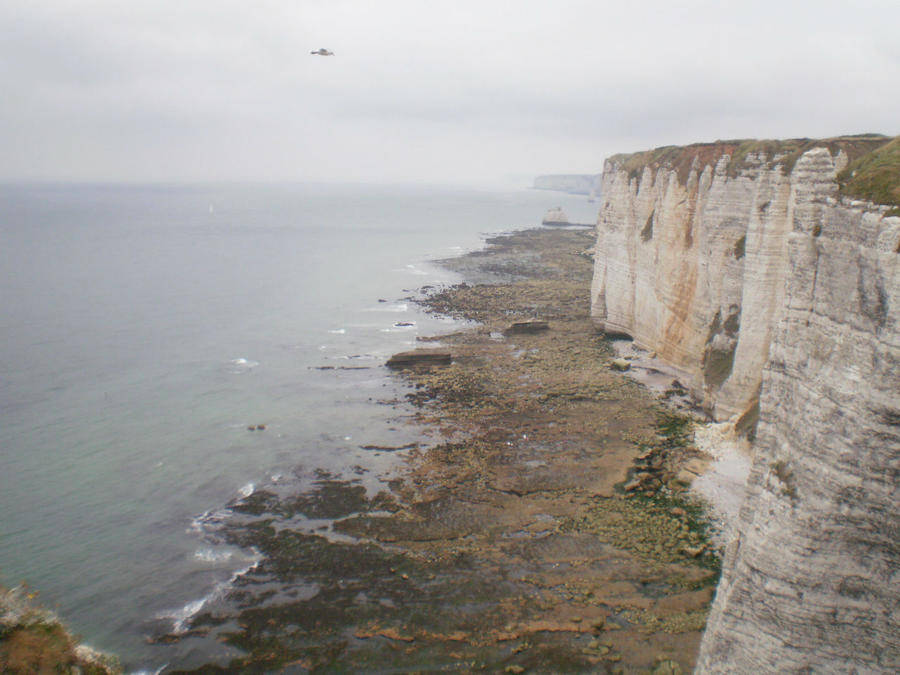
[(465, 93)]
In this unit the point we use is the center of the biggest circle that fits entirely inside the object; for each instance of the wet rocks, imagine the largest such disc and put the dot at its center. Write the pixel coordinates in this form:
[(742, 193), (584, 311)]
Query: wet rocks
[(685, 477), (531, 326), (691, 470), (484, 559), (418, 358), (666, 667)]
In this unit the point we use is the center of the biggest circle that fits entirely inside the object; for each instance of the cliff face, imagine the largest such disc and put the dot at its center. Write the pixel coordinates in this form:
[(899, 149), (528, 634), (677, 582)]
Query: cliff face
[(772, 295), (680, 264)]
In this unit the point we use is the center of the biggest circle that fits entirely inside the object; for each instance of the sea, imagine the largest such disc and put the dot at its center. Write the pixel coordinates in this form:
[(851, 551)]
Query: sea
[(148, 331)]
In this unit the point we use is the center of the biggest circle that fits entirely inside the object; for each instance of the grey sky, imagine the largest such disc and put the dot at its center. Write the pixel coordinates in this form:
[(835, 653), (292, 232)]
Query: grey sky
[(463, 91)]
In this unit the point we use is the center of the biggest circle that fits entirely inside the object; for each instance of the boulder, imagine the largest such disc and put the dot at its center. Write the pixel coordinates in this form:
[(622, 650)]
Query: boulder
[(531, 326), (697, 466), (685, 477), (420, 358), (620, 364)]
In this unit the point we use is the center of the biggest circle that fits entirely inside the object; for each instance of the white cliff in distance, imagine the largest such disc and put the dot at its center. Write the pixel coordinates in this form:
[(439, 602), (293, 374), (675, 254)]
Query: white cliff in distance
[(573, 183)]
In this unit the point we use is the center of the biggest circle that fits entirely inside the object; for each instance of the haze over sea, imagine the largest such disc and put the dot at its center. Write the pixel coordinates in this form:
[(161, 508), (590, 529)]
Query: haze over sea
[(144, 328)]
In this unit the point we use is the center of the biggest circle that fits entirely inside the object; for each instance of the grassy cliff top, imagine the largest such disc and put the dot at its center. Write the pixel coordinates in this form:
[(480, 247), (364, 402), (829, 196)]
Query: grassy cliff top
[(874, 171), (874, 176), (34, 640)]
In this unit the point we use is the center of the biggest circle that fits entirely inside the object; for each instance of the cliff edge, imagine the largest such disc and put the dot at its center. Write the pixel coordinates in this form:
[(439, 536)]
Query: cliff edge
[(576, 184), (752, 267), (34, 640)]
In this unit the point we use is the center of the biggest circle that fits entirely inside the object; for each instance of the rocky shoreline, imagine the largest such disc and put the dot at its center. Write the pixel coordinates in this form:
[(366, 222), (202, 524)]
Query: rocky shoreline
[(545, 528)]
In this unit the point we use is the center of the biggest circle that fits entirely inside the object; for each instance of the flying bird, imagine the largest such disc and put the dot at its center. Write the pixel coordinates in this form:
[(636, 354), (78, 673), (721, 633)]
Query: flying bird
[(322, 52)]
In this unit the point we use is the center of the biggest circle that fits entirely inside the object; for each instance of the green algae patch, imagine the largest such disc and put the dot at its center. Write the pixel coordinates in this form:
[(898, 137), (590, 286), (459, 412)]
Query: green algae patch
[(647, 527), (674, 427), (680, 622)]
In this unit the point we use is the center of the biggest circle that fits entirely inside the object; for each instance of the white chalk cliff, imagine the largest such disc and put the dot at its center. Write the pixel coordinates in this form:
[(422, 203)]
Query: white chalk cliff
[(579, 184), (777, 299)]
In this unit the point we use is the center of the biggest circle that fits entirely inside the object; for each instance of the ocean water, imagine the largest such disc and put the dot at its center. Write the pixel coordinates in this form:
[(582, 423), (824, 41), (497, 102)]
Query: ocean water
[(144, 328)]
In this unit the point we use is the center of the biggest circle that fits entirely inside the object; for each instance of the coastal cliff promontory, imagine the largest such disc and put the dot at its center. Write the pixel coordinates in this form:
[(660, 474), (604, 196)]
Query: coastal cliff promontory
[(578, 184), (750, 268), (34, 640)]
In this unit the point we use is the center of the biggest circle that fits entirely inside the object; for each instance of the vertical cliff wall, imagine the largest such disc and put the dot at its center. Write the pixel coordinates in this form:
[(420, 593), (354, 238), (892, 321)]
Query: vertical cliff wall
[(692, 267), (772, 294)]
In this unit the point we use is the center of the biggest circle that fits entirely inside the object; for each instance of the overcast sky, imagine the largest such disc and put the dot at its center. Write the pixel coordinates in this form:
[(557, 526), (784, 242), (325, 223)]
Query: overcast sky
[(462, 91)]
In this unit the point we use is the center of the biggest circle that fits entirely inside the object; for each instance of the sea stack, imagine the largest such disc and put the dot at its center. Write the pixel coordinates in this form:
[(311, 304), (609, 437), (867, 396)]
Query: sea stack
[(556, 217)]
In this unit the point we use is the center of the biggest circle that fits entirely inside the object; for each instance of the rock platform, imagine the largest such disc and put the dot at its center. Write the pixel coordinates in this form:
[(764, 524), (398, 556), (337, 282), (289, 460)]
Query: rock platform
[(508, 544)]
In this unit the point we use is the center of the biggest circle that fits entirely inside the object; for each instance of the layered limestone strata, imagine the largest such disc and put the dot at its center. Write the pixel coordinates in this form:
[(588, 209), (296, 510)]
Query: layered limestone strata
[(812, 581), (691, 260), (769, 293), (680, 264)]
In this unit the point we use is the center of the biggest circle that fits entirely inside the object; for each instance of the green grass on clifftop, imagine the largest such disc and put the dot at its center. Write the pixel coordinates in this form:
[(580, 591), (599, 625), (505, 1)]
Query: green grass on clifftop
[(34, 641), (875, 176)]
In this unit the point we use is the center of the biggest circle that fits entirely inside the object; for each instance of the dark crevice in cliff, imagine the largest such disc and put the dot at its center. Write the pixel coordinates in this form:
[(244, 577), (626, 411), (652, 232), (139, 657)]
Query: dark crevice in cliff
[(647, 232), (747, 423), (873, 299), (721, 344), (889, 416)]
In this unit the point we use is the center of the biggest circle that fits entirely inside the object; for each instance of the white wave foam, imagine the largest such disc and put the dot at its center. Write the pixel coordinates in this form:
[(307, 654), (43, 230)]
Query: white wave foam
[(247, 490), (207, 521), (241, 365), (211, 556), (393, 307), (182, 616), (240, 361), (197, 523), (338, 331)]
